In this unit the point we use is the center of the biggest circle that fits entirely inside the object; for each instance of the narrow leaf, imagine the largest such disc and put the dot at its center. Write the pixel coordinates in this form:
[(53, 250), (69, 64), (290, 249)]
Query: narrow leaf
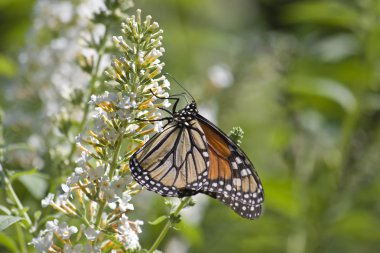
[(158, 220), (35, 183), (6, 221), (8, 242)]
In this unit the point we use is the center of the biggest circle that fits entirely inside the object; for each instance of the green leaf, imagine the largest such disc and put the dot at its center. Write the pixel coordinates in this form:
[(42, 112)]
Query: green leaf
[(7, 220), (336, 47), (280, 194), (355, 222), (16, 175), (35, 183), (322, 12), (326, 88), (5, 210), (8, 242), (7, 67), (158, 220)]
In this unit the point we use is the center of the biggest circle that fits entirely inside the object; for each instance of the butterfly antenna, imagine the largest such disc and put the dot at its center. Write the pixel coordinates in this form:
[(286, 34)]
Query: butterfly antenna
[(188, 93)]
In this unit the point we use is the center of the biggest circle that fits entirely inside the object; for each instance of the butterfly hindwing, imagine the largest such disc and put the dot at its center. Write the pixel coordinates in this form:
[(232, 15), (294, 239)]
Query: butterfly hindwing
[(174, 162), (232, 177)]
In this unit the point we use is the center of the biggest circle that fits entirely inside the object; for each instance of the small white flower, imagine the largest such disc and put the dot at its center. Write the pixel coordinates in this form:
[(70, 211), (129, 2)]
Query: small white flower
[(142, 113), (118, 39), (79, 170), (127, 235), (47, 200), (221, 76), (88, 248), (132, 128), (93, 99), (74, 178), (43, 242), (111, 135), (138, 224), (65, 231), (166, 103), (106, 97), (94, 207), (65, 188), (99, 125), (124, 114), (98, 172), (110, 196), (108, 190), (62, 198), (118, 185), (125, 103), (91, 234), (124, 202), (77, 248), (155, 53), (158, 126), (85, 157), (78, 138), (52, 225), (165, 84), (112, 205)]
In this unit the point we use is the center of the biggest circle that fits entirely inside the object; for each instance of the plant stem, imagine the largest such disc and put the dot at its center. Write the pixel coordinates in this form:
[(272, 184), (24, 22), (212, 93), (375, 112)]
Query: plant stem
[(115, 157), (21, 237), (168, 225), (14, 196), (112, 170)]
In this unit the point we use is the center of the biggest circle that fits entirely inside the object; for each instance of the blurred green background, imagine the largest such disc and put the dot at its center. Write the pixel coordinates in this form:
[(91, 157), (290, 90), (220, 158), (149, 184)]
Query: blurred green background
[(302, 78)]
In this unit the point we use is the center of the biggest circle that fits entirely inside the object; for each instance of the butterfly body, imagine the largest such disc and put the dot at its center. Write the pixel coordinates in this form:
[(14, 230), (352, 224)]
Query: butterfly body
[(191, 155)]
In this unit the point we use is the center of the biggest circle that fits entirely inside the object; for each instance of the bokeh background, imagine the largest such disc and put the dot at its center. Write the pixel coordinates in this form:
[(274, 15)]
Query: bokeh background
[(302, 78)]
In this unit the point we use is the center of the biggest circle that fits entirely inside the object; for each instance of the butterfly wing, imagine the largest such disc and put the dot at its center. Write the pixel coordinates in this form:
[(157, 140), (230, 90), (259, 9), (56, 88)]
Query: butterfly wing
[(174, 162), (232, 177)]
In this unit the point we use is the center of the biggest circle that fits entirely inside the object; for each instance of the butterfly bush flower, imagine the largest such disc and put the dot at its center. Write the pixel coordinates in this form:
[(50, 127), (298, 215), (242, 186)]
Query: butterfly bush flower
[(96, 198)]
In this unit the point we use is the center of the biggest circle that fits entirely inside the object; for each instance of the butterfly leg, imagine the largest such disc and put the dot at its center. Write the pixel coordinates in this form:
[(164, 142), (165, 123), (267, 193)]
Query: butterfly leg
[(166, 110), (153, 120), (170, 98)]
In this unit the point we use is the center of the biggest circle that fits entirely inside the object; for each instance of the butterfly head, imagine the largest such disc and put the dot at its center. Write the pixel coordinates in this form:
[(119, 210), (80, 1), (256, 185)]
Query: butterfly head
[(186, 114)]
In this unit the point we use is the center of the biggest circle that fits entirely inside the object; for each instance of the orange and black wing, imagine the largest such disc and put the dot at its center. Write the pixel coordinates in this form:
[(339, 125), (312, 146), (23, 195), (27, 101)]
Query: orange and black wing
[(231, 176), (174, 162)]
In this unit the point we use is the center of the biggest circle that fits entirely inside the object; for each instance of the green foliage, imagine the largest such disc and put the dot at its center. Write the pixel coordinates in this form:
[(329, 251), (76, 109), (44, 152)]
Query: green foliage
[(305, 90), (8, 242), (306, 94), (6, 221), (159, 220)]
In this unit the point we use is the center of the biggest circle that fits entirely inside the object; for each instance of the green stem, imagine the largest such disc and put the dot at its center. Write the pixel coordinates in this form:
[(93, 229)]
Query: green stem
[(21, 237), (168, 225), (14, 196), (112, 170), (100, 212), (92, 86), (2, 142), (115, 157)]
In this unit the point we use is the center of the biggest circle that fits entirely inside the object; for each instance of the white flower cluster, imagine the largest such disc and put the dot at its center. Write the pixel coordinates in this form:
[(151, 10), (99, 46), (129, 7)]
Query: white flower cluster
[(65, 23), (100, 189)]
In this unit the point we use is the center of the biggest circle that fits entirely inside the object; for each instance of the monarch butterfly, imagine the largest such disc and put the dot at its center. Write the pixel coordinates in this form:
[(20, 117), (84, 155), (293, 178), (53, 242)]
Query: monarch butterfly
[(191, 155)]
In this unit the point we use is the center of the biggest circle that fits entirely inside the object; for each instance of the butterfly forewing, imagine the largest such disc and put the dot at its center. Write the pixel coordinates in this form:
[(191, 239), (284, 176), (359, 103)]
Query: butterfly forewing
[(232, 177), (173, 162)]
